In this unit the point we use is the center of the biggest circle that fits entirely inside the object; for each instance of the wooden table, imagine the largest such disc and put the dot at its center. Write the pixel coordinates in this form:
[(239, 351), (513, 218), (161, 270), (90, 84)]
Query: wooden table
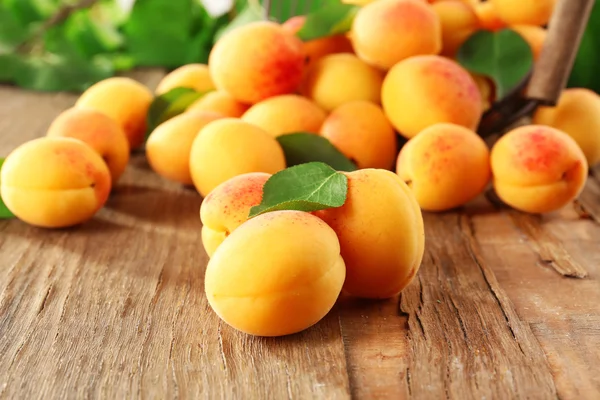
[(505, 305)]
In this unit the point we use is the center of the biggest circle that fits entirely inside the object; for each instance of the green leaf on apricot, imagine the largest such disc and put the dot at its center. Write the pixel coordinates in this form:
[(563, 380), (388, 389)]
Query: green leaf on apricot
[(306, 187), (504, 56), (333, 18), (301, 147), (169, 105), (4, 211)]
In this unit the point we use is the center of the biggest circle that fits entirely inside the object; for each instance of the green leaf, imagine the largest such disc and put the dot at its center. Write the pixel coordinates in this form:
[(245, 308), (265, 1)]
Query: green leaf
[(504, 56), (170, 104), (306, 187), (300, 148), (247, 15), (12, 31), (332, 19), (9, 64), (587, 62), (5, 213), (28, 11)]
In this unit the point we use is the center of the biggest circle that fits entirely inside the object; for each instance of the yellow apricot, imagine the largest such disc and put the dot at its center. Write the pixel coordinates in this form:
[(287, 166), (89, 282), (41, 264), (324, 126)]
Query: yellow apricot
[(425, 90), (577, 113), (458, 21), (385, 32), (228, 206), (381, 233), (256, 61), (229, 147), (340, 78), (124, 100), (488, 16), (193, 76), (168, 146), (285, 114), (533, 35), (277, 274), (99, 132), (538, 169), (54, 182), (529, 12), (362, 132), (486, 89), (221, 102), (445, 166)]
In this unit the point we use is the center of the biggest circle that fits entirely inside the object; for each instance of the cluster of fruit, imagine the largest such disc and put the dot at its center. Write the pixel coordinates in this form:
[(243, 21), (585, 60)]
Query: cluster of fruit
[(282, 271)]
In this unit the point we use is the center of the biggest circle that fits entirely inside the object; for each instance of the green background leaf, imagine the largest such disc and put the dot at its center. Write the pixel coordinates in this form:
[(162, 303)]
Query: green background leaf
[(330, 19), (300, 148), (306, 187), (170, 104), (586, 69), (4, 211), (504, 56)]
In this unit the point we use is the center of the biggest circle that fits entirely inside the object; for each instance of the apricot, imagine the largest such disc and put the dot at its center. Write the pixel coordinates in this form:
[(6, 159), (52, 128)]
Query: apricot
[(577, 113), (277, 274), (124, 100), (486, 88), (229, 147), (538, 169), (192, 76), (287, 113), (362, 132), (529, 12), (256, 61), (168, 146), (219, 101), (54, 182), (228, 206), (458, 21), (488, 16), (381, 233), (404, 28), (99, 132), (341, 78), (424, 90), (533, 35), (445, 166)]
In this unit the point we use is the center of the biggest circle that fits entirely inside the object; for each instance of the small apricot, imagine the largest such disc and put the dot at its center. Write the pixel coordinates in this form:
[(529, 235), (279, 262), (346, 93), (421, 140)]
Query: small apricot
[(529, 12), (221, 102), (192, 76), (458, 21), (488, 16)]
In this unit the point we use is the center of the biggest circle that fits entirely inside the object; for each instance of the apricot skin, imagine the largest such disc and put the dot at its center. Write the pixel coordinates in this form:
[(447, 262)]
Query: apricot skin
[(288, 113), (273, 61), (192, 76), (577, 113), (488, 17), (445, 165), (538, 169), (168, 146), (529, 12), (98, 131), (124, 100), (277, 274), (424, 90), (221, 102), (54, 182), (363, 133), (228, 206), (381, 234), (341, 78), (458, 21), (405, 28), (229, 147)]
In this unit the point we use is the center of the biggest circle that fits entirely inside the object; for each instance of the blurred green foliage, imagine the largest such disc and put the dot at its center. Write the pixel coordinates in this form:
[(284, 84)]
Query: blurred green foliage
[(586, 70)]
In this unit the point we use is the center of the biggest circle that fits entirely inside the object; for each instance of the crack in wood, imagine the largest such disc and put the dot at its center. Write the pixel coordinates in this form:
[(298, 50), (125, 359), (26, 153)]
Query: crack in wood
[(221, 347), (44, 300)]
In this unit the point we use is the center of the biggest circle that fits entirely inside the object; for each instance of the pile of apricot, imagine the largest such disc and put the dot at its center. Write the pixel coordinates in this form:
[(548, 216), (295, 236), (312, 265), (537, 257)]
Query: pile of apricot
[(394, 73)]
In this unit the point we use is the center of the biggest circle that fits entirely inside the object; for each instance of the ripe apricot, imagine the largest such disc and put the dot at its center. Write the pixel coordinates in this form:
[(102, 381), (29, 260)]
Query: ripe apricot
[(221, 102), (538, 169), (277, 274), (256, 61), (168, 146), (193, 76), (341, 78), (424, 90), (54, 182), (577, 113), (287, 113), (533, 35), (124, 100), (227, 207), (486, 89), (362, 132), (458, 21), (529, 12), (381, 233), (229, 147), (445, 166), (488, 16), (404, 28), (99, 132)]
